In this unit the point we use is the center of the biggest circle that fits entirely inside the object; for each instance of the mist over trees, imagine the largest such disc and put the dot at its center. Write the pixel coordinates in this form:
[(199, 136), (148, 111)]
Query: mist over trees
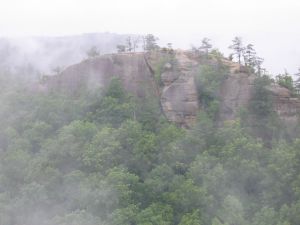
[(107, 157), (145, 43), (41, 54), (93, 52)]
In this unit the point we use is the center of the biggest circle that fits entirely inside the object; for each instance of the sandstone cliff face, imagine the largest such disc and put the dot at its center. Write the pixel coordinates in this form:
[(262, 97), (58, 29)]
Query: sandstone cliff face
[(98, 72), (176, 90), (179, 98), (235, 94), (177, 94), (286, 106)]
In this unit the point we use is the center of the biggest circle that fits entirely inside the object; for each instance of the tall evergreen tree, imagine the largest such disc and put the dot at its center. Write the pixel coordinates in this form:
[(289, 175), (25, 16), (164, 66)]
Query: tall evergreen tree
[(249, 55), (121, 48), (237, 47), (93, 52), (297, 81), (135, 43), (129, 46), (258, 62), (206, 45), (150, 42)]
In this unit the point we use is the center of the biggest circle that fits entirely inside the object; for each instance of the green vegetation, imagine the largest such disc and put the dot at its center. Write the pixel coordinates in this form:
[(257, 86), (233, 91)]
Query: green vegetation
[(286, 80), (261, 104), (150, 43), (238, 48), (260, 117), (114, 107), (113, 159), (208, 81), (93, 52), (159, 66), (252, 63)]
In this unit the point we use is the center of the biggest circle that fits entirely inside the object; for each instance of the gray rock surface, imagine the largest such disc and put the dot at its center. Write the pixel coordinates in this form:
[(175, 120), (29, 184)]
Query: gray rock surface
[(177, 90), (179, 94), (235, 94)]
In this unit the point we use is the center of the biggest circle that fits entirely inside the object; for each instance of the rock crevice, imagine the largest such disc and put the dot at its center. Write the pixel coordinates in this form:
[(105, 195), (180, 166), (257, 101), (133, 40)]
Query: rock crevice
[(179, 94), (176, 90)]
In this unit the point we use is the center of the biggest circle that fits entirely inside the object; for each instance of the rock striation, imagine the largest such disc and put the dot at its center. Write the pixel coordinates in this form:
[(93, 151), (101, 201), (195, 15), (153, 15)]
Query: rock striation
[(179, 98), (285, 105), (176, 89)]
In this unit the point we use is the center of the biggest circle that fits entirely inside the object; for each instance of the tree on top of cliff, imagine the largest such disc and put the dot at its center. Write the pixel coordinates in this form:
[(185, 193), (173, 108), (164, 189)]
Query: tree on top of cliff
[(257, 63), (297, 81), (57, 70), (135, 42), (206, 46), (150, 42), (93, 52), (249, 55), (285, 80), (121, 48), (237, 47), (129, 44)]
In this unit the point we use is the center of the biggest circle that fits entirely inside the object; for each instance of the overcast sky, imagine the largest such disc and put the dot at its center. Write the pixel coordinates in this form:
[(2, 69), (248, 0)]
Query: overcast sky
[(273, 26)]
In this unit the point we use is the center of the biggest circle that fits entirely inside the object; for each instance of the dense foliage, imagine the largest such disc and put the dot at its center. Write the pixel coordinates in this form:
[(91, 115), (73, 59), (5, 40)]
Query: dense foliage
[(208, 84), (112, 159)]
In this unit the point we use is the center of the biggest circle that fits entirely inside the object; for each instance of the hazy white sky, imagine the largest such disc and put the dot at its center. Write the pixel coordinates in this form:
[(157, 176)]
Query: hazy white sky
[(273, 26)]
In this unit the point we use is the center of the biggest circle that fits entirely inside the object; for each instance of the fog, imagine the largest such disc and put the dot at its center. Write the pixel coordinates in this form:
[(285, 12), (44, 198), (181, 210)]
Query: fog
[(107, 155), (42, 55), (273, 27)]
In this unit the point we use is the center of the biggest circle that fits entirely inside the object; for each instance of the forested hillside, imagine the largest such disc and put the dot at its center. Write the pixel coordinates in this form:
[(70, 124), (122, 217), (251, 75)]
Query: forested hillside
[(103, 156)]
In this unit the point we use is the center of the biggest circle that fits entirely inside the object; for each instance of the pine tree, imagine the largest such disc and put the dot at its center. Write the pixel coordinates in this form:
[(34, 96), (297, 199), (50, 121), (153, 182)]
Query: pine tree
[(249, 55), (135, 43), (297, 81), (237, 47), (206, 46), (150, 42), (121, 48), (93, 52), (128, 45), (258, 62)]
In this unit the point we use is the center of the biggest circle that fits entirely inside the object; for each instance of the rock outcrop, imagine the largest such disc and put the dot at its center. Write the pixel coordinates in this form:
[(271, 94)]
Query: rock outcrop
[(179, 97), (177, 94), (176, 88), (98, 72), (286, 106), (235, 94)]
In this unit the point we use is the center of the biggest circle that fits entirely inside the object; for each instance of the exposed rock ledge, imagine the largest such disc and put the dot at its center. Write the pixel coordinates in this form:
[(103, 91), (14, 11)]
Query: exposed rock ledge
[(177, 94)]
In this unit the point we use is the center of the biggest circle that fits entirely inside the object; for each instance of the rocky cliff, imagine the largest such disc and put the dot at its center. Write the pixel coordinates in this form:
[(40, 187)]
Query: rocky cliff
[(236, 92), (178, 97), (171, 79), (97, 73), (286, 106)]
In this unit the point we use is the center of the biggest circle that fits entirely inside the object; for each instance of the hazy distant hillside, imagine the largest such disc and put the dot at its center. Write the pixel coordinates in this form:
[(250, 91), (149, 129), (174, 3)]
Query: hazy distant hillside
[(42, 54)]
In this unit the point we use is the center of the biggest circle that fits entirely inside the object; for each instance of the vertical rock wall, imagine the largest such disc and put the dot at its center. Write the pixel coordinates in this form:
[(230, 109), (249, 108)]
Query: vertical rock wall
[(176, 90)]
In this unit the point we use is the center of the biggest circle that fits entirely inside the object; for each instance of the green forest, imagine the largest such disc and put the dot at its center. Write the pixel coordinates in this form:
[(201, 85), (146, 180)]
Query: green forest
[(106, 157)]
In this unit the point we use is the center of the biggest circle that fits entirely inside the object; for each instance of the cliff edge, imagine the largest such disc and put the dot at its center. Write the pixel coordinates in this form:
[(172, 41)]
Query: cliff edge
[(171, 79)]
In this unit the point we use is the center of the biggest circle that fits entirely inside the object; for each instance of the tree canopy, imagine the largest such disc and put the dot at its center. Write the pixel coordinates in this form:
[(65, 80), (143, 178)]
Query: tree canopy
[(108, 157)]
